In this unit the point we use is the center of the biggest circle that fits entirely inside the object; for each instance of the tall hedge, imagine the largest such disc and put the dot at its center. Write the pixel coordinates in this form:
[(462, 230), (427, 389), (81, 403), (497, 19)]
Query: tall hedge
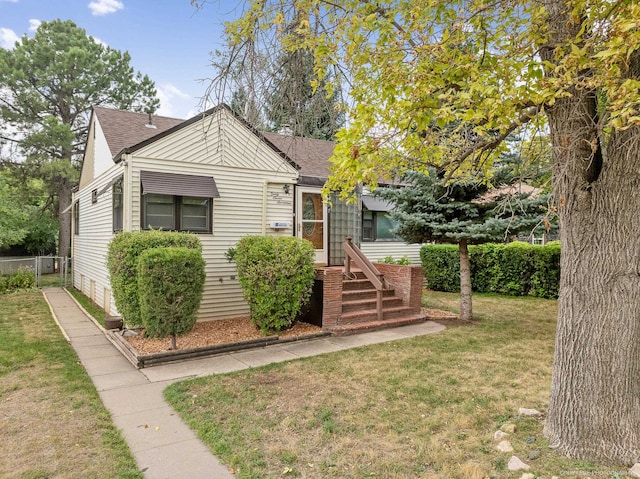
[(170, 286), (516, 269), (276, 274), (122, 262)]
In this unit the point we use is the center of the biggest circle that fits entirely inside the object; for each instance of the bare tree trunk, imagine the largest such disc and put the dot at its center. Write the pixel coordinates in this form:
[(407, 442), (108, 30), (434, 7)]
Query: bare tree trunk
[(595, 391), (466, 308), (64, 219)]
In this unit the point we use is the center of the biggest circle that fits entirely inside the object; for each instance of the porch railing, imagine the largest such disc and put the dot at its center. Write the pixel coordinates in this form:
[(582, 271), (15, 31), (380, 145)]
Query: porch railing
[(353, 253)]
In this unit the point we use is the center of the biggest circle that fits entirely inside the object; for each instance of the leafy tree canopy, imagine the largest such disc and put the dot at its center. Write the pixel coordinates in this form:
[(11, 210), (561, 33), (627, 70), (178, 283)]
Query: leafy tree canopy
[(414, 68)]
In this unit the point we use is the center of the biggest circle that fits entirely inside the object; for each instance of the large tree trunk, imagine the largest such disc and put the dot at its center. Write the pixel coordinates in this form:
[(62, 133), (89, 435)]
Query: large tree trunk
[(594, 406), (64, 219), (466, 308)]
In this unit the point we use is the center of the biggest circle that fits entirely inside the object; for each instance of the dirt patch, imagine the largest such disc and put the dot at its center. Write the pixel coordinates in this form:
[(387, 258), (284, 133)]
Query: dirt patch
[(214, 333)]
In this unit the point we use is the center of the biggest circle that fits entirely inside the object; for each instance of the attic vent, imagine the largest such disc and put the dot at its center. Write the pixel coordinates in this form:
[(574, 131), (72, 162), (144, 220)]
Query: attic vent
[(150, 124), (285, 130)]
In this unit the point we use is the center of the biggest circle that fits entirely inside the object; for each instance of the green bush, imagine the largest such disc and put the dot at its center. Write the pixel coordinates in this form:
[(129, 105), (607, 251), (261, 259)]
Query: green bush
[(276, 274), (170, 286), (516, 269), (545, 280), (122, 262), (441, 267), (23, 278), (404, 261)]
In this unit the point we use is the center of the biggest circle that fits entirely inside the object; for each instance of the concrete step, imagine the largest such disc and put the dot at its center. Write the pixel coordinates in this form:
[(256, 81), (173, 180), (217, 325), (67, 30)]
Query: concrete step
[(370, 303), (345, 329)]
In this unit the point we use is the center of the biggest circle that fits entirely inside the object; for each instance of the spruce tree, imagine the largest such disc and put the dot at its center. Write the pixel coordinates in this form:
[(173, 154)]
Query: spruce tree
[(430, 209)]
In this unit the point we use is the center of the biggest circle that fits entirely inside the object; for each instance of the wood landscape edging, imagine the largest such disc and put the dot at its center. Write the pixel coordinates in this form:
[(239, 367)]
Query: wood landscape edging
[(144, 360)]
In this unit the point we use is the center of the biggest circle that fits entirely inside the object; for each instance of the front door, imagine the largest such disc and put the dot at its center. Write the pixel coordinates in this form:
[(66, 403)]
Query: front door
[(311, 217)]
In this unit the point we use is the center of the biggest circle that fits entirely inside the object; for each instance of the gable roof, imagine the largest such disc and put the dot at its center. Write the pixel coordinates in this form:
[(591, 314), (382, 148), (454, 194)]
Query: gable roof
[(123, 129), (126, 131), (310, 154)]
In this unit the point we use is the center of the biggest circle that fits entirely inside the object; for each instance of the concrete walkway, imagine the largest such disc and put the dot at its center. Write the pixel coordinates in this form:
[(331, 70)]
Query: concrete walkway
[(162, 444)]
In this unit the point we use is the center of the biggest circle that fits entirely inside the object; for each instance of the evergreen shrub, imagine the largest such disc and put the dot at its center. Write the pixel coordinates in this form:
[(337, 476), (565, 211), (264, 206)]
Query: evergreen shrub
[(516, 269), (276, 274), (170, 287), (122, 262)]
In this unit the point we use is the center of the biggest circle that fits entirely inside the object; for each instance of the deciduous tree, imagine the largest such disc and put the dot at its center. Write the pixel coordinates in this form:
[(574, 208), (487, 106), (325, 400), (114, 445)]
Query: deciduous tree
[(418, 66), (48, 85)]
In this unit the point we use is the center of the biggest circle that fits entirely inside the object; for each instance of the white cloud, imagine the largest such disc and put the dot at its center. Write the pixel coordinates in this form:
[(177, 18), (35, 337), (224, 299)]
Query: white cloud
[(8, 38), (172, 100), (101, 42), (34, 24), (9, 1), (104, 7)]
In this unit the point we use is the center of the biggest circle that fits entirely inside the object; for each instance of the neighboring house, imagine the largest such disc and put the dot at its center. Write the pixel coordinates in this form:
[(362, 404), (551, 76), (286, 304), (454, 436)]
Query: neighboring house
[(216, 176)]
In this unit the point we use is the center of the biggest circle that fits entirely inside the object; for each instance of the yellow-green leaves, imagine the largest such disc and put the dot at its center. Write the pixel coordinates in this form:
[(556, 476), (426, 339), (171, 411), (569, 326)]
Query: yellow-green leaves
[(435, 83)]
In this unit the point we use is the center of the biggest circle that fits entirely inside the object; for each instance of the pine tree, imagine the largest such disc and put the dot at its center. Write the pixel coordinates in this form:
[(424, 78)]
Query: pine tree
[(293, 101)]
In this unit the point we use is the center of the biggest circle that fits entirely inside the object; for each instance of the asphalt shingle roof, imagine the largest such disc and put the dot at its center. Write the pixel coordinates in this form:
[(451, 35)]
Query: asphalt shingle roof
[(124, 129), (311, 155)]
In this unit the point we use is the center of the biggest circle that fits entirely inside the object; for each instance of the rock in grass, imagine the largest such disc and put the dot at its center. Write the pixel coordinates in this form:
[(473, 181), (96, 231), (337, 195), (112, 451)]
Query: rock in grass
[(528, 475), (515, 464), (504, 446), (508, 427), (635, 470), (499, 436), (534, 455), (523, 411)]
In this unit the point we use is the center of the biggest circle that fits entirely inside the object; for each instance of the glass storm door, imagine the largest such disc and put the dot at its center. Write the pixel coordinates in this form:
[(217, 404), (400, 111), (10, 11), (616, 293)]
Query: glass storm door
[(311, 217)]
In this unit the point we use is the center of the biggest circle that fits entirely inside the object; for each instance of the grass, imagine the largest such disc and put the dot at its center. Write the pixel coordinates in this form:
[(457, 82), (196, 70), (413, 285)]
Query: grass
[(52, 422), (425, 407), (92, 308)]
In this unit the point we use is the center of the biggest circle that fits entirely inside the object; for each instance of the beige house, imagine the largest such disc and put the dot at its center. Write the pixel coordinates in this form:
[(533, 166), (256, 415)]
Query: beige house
[(216, 176)]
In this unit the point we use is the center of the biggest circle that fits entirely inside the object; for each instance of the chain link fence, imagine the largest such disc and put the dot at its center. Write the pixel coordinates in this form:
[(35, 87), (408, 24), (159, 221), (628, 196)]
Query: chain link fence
[(49, 270)]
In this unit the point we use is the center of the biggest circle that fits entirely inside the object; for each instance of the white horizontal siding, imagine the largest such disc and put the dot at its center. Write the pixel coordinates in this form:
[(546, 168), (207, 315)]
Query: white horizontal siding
[(249, 201), (378, 250), (250, 178), (90, 245)]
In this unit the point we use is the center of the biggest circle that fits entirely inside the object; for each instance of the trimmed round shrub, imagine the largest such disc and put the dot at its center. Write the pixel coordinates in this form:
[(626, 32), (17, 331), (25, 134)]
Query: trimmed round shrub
[(122, 262), (170, 285), (276, 274)]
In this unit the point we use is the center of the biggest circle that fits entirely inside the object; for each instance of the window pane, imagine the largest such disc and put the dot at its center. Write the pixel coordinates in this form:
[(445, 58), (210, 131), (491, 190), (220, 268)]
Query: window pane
[(117, 206), (367, 225), (194, 214), (159, 212), (385, 226)]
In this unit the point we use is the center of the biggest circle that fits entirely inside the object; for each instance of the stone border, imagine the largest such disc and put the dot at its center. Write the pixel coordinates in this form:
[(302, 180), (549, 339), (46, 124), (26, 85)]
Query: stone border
[(145, 360)]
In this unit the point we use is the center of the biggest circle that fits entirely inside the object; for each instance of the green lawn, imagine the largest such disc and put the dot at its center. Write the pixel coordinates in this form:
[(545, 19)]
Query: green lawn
[(52, 422), (421, 408)]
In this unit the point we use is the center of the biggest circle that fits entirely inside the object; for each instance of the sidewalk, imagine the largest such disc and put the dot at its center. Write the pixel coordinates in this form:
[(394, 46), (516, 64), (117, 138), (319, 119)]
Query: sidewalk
[(162, 444)]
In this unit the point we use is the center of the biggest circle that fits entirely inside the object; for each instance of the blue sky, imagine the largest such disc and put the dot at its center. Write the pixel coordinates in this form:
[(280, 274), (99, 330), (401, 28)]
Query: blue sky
[(169, 40)]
